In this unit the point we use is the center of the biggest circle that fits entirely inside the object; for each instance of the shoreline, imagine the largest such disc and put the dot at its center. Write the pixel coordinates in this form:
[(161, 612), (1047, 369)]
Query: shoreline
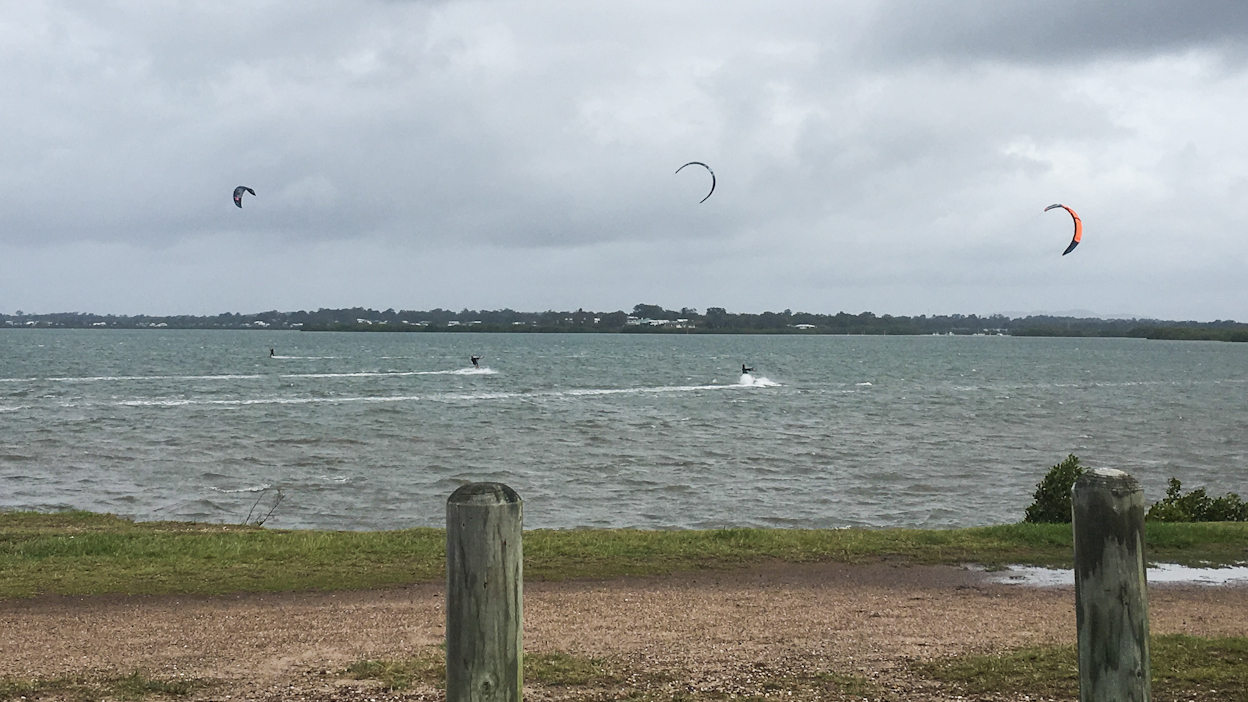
[(81, 553)]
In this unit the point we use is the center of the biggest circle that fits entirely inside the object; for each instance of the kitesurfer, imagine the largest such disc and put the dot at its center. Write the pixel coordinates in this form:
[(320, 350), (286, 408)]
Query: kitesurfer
[(745, 370), (272, 353), (475, 361)]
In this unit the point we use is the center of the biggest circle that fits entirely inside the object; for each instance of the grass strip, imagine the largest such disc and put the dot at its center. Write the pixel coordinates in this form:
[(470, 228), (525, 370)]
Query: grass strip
[(81, 553), (429, 668), (86, 688), (1184, 667), (579, 677)]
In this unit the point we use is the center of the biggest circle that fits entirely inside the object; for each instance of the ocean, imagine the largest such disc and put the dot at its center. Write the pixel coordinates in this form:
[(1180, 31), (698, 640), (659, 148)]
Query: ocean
[(375, 430)]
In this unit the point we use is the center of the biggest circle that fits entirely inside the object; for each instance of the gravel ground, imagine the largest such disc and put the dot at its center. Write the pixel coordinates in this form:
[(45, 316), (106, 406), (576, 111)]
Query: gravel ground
[(682, 637)]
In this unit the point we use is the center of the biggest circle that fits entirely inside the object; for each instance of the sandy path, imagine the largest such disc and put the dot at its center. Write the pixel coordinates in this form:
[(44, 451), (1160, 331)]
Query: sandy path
[(711, 628)]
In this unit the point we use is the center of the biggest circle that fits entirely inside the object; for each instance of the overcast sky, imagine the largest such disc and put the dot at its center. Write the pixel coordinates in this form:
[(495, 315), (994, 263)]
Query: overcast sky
[(885, 156)]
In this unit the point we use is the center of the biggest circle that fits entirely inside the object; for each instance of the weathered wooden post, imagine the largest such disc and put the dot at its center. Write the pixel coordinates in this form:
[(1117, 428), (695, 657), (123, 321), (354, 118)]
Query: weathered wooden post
[(484, 594), (1111, 599)]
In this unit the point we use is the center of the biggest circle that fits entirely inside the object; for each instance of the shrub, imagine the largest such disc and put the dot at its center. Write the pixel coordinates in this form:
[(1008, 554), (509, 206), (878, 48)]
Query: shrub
[(1197, 506), (1051, 503)]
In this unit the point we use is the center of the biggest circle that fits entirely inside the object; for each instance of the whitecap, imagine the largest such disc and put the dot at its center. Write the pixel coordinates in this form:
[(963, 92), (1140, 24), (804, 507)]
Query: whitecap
[(254, 488)]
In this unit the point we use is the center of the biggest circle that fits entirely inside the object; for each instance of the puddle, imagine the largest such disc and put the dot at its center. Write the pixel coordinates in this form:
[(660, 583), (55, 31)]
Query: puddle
[(1159, 573)]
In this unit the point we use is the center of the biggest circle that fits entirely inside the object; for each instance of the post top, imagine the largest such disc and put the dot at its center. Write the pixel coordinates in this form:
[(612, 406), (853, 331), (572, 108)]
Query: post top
[(483, 495), (1112, 479)]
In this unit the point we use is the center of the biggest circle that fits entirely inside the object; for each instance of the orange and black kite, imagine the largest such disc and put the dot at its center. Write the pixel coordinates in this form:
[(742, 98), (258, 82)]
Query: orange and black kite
[(1078, 227)]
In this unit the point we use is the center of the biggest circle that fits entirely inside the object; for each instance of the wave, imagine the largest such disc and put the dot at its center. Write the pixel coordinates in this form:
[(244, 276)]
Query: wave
[(263, 401), (750, 381), (19, 408), (106, 378), (443, 396), (446, 397), (254, 488), (393, 374)]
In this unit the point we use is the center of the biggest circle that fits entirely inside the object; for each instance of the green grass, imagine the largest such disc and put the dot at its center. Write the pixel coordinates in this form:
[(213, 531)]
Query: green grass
[(564, 669), (429, 667), (80, 553), (1184, 667), (597, 679), (85, 688)]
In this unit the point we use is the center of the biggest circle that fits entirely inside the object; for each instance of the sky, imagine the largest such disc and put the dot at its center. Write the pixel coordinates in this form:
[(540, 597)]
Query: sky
[(872, 155)]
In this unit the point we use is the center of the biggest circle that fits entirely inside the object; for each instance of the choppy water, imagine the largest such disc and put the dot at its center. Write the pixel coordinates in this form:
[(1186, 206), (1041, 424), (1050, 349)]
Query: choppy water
[(373, 431)]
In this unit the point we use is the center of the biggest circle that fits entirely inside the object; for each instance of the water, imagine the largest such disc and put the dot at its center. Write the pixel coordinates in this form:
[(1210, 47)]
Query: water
[(374, 431), (1161, 573)]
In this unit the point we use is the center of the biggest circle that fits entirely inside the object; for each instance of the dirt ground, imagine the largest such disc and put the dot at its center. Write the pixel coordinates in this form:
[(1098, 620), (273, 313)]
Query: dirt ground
[(692, 636)]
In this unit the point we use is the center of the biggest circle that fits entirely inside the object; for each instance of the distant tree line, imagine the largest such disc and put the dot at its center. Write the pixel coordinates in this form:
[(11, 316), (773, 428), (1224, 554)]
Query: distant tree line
[(646, 319)]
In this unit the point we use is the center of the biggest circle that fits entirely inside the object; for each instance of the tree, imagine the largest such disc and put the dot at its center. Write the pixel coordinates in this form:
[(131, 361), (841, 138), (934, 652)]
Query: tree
[(1051, 503)]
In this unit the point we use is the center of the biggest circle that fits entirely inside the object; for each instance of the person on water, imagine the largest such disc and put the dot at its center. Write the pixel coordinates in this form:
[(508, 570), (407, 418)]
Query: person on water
[(745, 370), (272, 353), (475, 360)]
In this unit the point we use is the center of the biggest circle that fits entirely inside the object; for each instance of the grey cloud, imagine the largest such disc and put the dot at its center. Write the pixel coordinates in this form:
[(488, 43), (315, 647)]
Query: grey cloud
[(1052, 31), (404, 150)]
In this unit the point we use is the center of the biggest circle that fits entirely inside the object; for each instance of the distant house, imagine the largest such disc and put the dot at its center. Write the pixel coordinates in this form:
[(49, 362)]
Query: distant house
[(803, 326)]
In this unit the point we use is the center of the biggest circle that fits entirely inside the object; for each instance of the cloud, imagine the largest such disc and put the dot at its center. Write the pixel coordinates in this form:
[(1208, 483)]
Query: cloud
[(870, 155), (1053, 31)]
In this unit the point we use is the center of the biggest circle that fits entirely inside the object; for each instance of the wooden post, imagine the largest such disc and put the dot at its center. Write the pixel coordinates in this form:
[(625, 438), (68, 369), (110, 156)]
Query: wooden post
[(1111, 598), (484, 594)]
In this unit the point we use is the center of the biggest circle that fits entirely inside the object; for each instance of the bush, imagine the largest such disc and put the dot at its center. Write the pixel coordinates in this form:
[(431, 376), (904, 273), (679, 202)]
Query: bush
[(1197, 506), (1051, 503)]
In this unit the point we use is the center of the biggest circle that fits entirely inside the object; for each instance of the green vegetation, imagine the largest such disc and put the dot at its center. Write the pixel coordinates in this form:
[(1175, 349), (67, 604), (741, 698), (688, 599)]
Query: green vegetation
[(564, 669), (1197, 506), (84, 553), (645, 319), (1184, 667), (1051, 503), (1186, 333), (79, 553), (429, 668), (598, 678), (85, 688)]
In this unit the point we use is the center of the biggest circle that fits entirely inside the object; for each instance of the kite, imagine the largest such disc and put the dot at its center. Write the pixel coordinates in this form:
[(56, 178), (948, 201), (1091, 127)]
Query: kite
[(708, 170), (238, 194), (1078, 227)]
